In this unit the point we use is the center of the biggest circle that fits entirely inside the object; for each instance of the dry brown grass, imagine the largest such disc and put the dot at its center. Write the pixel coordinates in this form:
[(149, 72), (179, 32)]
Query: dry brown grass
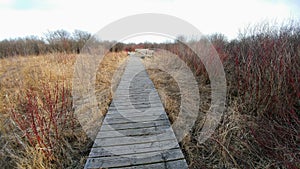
[(228, 147), (170, 95), (20, 77), (168, 91)]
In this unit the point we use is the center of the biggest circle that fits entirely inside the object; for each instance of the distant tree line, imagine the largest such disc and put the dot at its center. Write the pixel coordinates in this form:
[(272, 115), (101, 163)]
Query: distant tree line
[(53, 41), (62, 41)]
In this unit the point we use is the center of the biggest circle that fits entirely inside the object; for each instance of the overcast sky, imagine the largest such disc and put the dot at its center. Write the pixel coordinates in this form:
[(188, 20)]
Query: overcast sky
[(21, 18)]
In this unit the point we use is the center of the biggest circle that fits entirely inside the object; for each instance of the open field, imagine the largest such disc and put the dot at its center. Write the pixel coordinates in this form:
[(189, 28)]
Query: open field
[(38, 128)]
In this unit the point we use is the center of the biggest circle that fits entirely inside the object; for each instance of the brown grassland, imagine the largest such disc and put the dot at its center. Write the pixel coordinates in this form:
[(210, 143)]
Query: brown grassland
[(259, 128), (38, 128)]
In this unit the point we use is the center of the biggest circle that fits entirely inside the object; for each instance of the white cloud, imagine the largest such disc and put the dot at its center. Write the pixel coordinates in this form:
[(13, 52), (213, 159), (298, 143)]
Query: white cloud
[(208, 16), (5, 3)]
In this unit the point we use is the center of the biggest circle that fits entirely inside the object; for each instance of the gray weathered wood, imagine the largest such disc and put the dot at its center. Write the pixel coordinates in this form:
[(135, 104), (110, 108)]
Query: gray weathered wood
[(138, 159), (136, 132), (128, 113), (124, 126), (138, 148), (115, 141), (164, 165), (159, 130), (135, 119)]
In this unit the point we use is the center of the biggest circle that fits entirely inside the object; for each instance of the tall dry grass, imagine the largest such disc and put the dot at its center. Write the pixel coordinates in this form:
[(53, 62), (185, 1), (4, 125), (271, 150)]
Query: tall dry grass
[(38, 128), (260, 127)]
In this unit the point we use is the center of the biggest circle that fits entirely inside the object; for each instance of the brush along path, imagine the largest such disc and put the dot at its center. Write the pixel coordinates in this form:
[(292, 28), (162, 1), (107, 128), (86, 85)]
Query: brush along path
[(136, 131)]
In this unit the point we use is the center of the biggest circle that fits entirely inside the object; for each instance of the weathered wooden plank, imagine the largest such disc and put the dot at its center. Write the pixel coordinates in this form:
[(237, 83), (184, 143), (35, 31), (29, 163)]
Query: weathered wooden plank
[(133, 112), (140, 148), (135, 119), (135, 132), (145, 107), (138, 101), (128, 99), (112, 141), (135, 89), (125, 90), (136, 106), (132, 99), (124, 126), (131, 131), (135, 102), (138, 159), (177, 164), (135, 115), (112, 122)]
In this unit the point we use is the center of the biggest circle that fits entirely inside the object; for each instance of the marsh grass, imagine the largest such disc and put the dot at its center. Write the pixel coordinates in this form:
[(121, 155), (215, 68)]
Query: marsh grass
[(261, 124), (38, 128)]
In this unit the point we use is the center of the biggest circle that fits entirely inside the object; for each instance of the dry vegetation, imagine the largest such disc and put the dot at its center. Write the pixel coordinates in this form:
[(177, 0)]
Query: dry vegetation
[(38, 128), (260, 127)]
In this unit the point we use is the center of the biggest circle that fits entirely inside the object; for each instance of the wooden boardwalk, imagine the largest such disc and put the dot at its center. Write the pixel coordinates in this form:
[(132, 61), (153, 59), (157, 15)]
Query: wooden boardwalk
[(136, 131)]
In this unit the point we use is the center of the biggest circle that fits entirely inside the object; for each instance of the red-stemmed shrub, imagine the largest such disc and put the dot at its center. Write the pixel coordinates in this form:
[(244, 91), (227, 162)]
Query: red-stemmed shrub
[(42, 116)]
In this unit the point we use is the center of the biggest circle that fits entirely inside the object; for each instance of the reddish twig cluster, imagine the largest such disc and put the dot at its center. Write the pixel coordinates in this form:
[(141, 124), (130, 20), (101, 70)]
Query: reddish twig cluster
[(263, 73), (43, 116)]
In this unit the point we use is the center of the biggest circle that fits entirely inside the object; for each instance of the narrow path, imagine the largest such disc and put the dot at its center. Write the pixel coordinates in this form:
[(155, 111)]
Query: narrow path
[(136, 131)]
